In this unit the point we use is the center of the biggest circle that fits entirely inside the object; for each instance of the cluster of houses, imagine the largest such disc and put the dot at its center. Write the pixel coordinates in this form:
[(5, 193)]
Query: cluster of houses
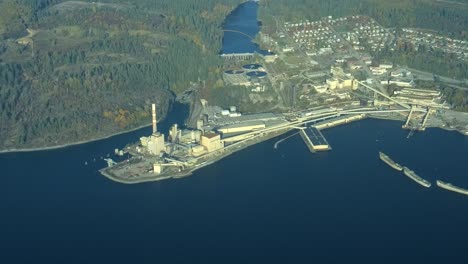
[(363, 32), (312, 35), (327, 34)]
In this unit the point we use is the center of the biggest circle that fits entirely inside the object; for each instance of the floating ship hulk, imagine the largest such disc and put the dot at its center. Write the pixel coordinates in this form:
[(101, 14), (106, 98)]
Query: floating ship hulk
[(390, 162), (412, 175), (450, 187)]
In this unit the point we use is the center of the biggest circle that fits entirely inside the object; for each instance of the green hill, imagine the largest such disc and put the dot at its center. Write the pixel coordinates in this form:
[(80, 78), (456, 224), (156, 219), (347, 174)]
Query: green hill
[(76, 70)]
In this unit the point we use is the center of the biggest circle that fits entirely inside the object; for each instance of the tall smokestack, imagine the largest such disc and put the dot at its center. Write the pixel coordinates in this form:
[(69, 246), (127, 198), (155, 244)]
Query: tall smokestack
[(155, 129)]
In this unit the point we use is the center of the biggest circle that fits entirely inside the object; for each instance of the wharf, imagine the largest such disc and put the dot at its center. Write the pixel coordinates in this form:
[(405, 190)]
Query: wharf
[(314, 139)]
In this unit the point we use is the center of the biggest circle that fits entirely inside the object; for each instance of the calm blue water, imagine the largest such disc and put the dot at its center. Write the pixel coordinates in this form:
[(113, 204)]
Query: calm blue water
[(258, 205), (244, 20)]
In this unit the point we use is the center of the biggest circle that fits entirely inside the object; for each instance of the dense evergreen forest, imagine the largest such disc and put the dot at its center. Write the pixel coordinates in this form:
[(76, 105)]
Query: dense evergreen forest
[(426, 59), (75, 70)]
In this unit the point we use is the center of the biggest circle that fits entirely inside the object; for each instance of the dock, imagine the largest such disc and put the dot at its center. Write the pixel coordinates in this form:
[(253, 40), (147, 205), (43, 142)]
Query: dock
[(422, 125), (426, 117), (408, 119), (314, 139)]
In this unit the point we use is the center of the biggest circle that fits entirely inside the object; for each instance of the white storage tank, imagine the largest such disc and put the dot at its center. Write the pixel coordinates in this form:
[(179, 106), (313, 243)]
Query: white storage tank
[(233, 109)]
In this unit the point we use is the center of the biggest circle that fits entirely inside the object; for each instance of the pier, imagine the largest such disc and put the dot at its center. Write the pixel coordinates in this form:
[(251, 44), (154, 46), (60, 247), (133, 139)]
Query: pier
[(422, 125), (426, 117), (408, 119), (314, 139)]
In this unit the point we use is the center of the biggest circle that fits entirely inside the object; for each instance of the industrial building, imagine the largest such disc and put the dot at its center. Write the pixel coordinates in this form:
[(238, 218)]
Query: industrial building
[(270, 58), (341, 80), (197, 150), (320, 87), (401, 73), (403, 82), (242, 127), (184, 136), (211, 141), (421, 97), (156, 144), (346, 83), (339, 121)]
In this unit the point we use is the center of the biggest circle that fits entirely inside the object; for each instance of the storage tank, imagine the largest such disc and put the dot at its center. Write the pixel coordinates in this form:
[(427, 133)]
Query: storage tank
[(144, 141), (232, 109)]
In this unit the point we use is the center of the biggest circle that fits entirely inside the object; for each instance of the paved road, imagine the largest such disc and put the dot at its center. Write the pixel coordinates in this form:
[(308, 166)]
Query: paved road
[(427, 76)]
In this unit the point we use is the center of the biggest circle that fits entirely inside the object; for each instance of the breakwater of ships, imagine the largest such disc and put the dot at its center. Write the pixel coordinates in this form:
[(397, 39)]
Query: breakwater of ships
[(423, 182)]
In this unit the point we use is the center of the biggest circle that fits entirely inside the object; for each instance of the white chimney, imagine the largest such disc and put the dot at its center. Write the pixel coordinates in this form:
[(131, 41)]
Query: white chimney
[(155, 129)]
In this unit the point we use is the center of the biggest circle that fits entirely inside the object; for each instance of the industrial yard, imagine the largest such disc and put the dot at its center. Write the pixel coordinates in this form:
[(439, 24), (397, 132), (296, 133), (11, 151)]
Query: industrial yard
[(221, 132), (320, 75)]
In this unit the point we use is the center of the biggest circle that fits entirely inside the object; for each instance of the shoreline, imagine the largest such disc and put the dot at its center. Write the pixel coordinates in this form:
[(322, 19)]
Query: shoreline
[(189, 172), (148, 125), (72, 143), (446, 128)]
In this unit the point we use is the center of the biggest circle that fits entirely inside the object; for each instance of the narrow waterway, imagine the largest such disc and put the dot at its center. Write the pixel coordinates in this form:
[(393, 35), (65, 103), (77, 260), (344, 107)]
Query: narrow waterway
[(241, 27)]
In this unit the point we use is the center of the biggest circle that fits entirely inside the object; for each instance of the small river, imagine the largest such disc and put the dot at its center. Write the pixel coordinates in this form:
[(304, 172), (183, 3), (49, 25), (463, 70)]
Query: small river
[(245, 27), (260, 205)]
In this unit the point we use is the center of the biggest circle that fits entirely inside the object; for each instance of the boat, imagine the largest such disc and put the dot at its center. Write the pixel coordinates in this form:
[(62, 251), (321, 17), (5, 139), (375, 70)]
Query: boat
[(390, 162), (450, 187), (415, 177)]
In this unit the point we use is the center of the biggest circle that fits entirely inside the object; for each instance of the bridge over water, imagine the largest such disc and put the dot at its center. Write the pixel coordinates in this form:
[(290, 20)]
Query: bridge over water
[(237, 56)]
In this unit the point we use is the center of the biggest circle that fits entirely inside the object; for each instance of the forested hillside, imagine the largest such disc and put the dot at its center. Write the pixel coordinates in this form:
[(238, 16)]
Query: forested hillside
[(444, 16), (76, 70)]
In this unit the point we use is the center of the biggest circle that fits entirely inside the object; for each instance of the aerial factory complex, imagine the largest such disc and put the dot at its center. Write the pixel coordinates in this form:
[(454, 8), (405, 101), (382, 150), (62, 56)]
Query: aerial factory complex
[(218, 134), (320, 74)]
